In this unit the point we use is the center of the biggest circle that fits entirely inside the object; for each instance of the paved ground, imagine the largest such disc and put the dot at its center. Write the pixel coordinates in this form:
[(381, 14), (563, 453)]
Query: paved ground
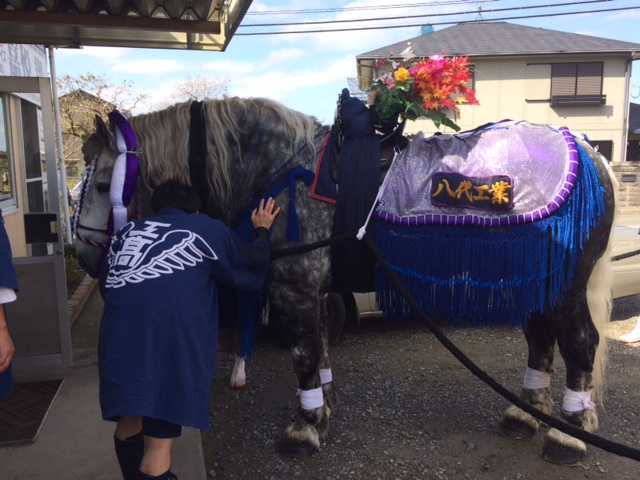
[(75, 443)]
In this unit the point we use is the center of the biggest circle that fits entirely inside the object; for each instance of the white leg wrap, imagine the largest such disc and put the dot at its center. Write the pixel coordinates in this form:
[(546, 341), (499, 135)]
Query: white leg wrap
[(238, 375), (535, 379), (325, 376), (577, 401), (311, 399)]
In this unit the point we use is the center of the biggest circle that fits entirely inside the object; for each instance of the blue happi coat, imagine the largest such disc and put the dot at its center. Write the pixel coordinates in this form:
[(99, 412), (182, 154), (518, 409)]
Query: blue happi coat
[(159, 331), (8, 279)]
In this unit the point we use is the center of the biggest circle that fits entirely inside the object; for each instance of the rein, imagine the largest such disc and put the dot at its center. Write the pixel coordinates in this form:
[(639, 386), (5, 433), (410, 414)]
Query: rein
[(588, 437)]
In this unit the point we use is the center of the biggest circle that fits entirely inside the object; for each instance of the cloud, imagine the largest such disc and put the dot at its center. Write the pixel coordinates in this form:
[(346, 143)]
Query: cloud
[(369, 18), (107, 55), (285, 55), (147, 66), (626, 15), (279, 84), (222, 67)]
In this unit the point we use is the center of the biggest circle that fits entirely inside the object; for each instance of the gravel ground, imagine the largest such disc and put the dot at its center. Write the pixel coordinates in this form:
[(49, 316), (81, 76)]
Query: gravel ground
[(409, 410)]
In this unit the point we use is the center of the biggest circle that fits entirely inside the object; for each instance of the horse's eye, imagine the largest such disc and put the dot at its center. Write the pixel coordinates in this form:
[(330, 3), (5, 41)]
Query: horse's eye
[(103, 187)]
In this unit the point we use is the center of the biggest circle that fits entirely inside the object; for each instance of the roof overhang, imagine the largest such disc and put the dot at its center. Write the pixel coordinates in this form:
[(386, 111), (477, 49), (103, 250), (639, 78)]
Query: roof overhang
[(166, 24)]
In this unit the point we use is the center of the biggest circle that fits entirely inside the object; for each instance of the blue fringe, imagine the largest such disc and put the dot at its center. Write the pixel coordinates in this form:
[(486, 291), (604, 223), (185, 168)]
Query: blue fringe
[(465, 274)]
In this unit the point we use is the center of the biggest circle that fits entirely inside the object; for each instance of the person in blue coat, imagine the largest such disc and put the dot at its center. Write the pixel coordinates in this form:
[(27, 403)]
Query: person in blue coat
[(8, 289), (159, 331)]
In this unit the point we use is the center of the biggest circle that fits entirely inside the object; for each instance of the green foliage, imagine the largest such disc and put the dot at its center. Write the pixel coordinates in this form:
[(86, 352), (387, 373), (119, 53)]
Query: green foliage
[(75, 274), (402, 101)]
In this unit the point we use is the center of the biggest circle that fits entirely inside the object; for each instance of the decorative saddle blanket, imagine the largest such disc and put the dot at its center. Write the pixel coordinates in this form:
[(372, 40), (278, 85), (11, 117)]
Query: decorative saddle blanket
[(538, 181), (507, 173)]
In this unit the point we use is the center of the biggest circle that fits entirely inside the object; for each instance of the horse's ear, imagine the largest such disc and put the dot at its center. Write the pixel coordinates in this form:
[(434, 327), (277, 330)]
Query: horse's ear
[(102, 138), (101, 128), (103, 131)]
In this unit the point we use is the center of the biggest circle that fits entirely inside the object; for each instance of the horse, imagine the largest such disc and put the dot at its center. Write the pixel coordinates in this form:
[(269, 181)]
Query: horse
[(248, 146)]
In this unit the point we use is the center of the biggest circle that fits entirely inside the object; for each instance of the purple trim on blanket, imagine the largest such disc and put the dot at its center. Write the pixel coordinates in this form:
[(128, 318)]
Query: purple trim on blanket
[(517, 219)]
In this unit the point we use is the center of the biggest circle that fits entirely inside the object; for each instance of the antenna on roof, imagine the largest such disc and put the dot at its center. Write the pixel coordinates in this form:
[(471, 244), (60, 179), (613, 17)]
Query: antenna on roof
[(426, 29), (479, 17)]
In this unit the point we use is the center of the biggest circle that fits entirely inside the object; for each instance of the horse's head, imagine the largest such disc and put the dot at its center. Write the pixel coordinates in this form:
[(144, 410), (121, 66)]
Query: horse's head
[(91, 221)]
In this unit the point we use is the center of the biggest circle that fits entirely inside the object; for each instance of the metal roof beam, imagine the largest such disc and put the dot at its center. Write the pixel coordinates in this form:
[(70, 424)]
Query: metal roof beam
[(107, 21)]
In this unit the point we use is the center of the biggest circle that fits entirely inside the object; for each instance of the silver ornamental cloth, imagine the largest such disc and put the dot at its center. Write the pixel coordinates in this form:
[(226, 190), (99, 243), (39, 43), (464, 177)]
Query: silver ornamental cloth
[(536, 157)]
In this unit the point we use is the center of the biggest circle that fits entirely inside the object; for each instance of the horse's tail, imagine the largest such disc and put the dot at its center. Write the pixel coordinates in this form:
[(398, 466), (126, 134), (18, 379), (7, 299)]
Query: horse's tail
[(599, 299)]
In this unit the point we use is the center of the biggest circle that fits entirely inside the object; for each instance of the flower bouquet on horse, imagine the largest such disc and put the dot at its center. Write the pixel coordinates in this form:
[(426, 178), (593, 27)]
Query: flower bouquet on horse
[(420, 87)]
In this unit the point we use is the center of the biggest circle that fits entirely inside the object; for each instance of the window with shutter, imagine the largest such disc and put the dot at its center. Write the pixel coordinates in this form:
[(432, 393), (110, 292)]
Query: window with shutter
[(577, 84), (605, 147)]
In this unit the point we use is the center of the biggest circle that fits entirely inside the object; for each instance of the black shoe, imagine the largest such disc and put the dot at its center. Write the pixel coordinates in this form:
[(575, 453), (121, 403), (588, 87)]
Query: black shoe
[(168, 475)]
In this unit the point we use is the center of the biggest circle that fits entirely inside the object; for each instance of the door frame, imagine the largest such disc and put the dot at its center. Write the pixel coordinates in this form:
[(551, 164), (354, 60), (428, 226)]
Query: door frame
[(57, 317)]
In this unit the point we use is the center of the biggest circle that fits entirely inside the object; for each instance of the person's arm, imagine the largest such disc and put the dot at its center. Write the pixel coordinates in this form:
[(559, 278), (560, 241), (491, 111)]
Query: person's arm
[(6, 344), (244, 264), (8, 289)]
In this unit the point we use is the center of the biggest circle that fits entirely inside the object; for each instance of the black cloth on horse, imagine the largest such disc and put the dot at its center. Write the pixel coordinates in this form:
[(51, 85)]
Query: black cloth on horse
[(353, 266), (227, 302)]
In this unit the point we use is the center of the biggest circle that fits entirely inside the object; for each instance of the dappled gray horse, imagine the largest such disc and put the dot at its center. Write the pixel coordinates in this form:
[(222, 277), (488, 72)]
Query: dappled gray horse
[(251, 147)]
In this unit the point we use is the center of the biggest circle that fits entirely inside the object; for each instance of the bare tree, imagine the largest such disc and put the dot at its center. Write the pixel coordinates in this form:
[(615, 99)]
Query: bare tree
[(195, 88), (83, 97)]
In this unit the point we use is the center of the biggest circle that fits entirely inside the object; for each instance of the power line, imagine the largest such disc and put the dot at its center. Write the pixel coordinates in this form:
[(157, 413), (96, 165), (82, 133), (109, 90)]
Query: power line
[(309, 11), (387, 27), (386, 19)]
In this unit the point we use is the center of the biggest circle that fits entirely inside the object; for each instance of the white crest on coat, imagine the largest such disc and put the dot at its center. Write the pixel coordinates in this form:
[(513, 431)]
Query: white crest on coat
[(149, 252)]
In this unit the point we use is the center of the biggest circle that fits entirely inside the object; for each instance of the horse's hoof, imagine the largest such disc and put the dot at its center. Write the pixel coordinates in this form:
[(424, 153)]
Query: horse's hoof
[(300, 440), (518, 424), (296, 450), (562, 449)]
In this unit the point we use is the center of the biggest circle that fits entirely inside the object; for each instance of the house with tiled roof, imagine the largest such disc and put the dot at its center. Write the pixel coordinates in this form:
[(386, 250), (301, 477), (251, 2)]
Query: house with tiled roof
[(535, 74), (544, 76)]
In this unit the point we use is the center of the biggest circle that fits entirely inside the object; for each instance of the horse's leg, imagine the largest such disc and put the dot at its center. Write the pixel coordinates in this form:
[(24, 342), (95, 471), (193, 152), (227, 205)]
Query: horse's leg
[(578, 339), (584, 312), (535, 388), (238, 375), (326, 377), (300, 316)]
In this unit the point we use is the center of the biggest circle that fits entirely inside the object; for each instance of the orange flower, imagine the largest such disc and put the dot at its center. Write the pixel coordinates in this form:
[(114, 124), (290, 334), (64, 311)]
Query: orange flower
[(419, 87)]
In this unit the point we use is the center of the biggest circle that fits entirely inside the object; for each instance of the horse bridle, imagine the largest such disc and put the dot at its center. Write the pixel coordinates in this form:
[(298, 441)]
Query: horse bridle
[(123, 183), (77, 226)]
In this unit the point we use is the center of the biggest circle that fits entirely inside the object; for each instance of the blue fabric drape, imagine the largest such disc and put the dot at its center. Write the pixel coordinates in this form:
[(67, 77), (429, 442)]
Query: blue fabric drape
[(353, 266), (491, 276)]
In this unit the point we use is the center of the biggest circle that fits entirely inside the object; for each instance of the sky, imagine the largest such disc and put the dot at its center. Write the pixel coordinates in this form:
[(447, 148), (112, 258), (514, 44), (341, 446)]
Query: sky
[(307, 71)]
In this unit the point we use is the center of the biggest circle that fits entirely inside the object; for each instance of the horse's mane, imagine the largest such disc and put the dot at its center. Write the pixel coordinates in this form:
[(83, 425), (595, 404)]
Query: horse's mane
[(163, 137)]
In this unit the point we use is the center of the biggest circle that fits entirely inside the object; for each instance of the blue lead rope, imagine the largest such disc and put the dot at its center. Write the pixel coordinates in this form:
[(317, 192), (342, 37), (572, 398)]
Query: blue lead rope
[(243, 225), (251, 303)]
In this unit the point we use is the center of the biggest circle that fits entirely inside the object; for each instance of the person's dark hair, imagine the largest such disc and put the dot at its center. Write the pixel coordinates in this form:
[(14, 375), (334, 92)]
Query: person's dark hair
[(177, 195)]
